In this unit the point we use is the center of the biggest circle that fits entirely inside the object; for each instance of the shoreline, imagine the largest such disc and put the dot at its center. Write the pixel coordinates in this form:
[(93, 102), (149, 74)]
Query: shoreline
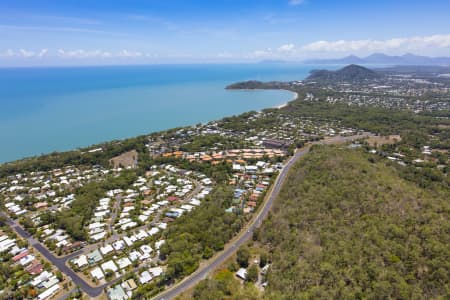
[(100, 143), (286, 103), (279, 106)]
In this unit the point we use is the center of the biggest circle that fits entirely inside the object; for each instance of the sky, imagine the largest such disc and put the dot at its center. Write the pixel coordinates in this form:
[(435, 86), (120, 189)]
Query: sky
[(88, 32)]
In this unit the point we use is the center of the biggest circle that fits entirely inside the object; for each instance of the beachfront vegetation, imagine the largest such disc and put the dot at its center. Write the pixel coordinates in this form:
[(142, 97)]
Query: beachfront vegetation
[(347, 224), (76, 157), (414, 128), (416, 131)]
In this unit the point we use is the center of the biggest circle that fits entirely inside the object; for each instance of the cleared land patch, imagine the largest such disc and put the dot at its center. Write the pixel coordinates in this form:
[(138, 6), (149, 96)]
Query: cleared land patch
[(124, 160)]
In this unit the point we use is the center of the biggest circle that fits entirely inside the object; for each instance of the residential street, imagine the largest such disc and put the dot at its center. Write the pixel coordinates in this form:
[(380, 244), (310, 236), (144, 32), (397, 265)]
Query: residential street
[(246, 234), (60, 263), (200, 274)]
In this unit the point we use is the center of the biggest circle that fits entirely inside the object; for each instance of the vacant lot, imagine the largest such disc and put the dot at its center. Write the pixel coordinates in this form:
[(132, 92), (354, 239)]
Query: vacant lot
[(383, 140), (127, 159)]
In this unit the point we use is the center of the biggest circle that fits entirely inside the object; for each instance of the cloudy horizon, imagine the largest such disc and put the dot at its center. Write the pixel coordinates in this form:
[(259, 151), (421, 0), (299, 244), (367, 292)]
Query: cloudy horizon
[(140, 32)]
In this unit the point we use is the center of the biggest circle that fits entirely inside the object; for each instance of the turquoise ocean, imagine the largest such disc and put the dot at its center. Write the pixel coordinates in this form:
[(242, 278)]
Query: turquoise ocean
[(56, 109)]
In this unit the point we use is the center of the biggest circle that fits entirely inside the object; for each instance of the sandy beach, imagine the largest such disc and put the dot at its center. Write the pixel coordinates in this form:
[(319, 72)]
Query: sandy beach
[(286, 103)]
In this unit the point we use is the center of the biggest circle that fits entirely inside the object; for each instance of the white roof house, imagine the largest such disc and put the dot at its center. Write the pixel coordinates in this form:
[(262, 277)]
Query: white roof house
[(118, 245), (96, 225), (42, 277), (104, 201), (124, 221), (128, 208), (98, 236), (242, 273), (251, 169), (156, 271), (195, 202), (153, 231), (6, 244), (128, 241), (146, 249), (159, 243), (145, 277), (48, 293), (26, 260), (128, 225), (143, 218), (50, 282), (106, 249), (123, 262), (268, 170), (141, 234), (101, 213), (261, 164), (206, 181), (134, 255), (187, 207), (97, 273), (109, 265), (81, 261)]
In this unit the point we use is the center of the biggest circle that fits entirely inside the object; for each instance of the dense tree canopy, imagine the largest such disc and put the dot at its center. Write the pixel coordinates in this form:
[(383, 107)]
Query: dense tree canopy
[(192, 237), (82, 209), (344, 227)]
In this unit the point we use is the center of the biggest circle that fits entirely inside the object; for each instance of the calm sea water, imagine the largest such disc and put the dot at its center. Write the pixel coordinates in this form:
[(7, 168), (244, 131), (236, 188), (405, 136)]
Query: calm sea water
[(55, 109)]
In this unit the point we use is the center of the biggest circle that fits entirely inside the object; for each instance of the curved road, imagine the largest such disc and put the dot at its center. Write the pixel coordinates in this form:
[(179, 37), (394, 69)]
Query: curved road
[(200, 274), (239, 241), (244, 236)]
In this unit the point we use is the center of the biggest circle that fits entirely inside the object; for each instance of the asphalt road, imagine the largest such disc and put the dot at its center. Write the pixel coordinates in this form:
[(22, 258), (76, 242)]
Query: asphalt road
[(244, 237), (60, 263), (197, 276), (219, 259)]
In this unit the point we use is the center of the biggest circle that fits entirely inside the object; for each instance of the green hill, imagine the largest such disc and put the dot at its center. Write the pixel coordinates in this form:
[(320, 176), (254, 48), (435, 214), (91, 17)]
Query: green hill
[(346, 226), (350, 73)]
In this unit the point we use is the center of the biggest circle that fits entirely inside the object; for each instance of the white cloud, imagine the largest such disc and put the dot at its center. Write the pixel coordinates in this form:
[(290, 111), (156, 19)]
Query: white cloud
[(7, 53), (260, 53), (438, 44), (107, 54), (26, 53), (404, 44), (23, 53), (42, 53), (286, 48), (128, 53), (60, 29), (432, 45), (296, 2), (225, 55), (280, 52), (81, 53)]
